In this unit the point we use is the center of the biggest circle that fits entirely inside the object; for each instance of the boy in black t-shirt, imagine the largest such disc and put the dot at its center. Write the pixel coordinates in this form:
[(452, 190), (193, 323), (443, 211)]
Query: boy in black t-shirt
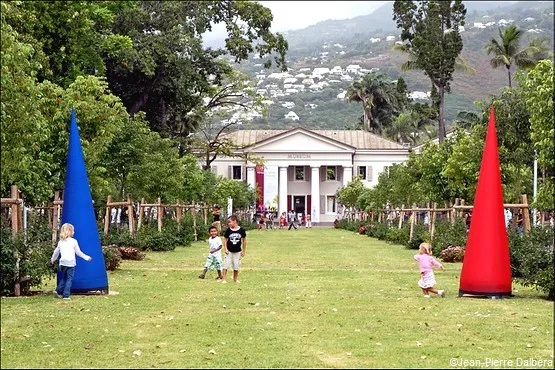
[(235, 237)]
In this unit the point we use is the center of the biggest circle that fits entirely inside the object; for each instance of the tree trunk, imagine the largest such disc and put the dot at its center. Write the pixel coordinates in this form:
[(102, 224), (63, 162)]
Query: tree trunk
[(509, 73), (139, 103), (442, 132)]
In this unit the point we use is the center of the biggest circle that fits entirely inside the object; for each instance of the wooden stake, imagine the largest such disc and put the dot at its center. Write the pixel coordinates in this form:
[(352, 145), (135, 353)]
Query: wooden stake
[(433, 221), (160, 210), (141, 214), (108, 214), (131, 216), (525, 214)]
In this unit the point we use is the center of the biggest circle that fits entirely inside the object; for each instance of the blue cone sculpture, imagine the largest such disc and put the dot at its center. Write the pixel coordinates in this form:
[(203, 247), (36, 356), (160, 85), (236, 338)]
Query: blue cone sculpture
[(78, 210)]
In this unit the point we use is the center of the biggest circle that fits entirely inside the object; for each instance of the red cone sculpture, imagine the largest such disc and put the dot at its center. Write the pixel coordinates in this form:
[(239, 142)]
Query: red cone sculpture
[(486, 269)]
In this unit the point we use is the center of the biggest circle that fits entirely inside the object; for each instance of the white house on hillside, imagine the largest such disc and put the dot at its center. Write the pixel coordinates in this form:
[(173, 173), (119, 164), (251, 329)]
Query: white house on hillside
[(292, 116)]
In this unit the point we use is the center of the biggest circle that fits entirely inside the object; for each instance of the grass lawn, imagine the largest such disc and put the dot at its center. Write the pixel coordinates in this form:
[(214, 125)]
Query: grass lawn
[(308, 298)]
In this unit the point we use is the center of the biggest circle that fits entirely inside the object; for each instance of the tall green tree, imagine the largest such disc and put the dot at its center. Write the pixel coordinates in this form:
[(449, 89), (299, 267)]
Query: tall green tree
[(507, 52), (538, 91), (168, 70), (430, 31), (379, 98)]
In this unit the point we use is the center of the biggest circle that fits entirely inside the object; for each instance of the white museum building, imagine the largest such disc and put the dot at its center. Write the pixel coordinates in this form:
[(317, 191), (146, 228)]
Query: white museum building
[(303, 169)]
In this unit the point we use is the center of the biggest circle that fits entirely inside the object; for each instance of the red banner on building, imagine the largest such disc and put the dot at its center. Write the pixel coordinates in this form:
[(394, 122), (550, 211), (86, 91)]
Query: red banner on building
[(260, 188)]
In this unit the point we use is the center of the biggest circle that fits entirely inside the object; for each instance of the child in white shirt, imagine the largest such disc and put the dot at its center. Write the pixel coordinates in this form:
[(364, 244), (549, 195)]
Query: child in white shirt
[(67, 249), (215, 256)]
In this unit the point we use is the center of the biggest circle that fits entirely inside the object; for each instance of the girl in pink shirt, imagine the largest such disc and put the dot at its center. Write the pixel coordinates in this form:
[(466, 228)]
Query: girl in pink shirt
[(427, 278)]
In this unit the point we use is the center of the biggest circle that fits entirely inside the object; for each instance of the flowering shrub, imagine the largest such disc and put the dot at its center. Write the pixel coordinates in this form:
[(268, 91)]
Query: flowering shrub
[(112, 257), (130, 253), (452, 254), (362, 229)]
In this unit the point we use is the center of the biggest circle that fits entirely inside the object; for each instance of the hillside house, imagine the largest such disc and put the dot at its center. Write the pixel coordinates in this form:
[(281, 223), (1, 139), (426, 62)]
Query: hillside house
[(292, 116), (353, 68), (336, 70), (288, 104), (373, 40), (390, 38), (320, 71)]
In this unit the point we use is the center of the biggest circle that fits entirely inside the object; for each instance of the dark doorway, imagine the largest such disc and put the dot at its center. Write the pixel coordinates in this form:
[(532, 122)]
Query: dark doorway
[(299, 204)]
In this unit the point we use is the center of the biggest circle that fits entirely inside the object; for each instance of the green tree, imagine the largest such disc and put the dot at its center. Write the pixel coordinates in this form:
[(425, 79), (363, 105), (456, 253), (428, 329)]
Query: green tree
[(538, 91), (348, 195), (168, 70), (219, 114), (71, 37), (430, 30), (507, 52), (379, 99)]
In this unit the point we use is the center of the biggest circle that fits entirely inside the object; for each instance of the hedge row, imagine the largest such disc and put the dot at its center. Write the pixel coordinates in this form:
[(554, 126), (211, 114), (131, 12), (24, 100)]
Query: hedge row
[(531, 253)]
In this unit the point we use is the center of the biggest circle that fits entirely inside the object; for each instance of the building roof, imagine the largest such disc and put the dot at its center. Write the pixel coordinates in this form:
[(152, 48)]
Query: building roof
[(358, 139)]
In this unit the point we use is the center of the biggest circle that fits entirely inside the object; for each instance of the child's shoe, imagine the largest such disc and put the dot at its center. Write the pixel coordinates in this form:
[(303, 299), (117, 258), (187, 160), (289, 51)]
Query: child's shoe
[(224, 281), (441, 293), (66, 299), (426, 296), (201, 276), (57, 295)]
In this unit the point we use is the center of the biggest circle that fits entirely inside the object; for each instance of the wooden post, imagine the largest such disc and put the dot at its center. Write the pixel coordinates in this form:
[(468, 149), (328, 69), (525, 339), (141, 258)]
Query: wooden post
[(178, 214), (205, 210), (108, 214), (55, 213), (15, 228), (194, 213), (131, 216), (412, 220), (433, 221), (379, 216), (525, 214), (461, 212), (159, 214), (401, 216), (141, 214)]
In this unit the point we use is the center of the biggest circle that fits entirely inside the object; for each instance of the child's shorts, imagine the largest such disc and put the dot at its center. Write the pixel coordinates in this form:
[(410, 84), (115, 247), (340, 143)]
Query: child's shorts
[(232, 259), (213, 261)]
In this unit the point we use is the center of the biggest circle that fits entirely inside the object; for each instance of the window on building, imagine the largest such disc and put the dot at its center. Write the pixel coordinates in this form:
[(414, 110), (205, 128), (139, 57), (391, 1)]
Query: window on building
[(330, 204), (299, 173), (331, 173), (236, 173), (362, 172)]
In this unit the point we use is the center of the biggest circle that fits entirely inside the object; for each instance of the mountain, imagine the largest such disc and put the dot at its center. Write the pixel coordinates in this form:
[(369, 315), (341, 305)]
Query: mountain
[(363, 41)]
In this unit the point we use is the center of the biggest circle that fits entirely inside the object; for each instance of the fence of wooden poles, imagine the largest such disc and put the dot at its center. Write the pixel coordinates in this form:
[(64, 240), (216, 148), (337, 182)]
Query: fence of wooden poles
[(450, 211), (147, 212)]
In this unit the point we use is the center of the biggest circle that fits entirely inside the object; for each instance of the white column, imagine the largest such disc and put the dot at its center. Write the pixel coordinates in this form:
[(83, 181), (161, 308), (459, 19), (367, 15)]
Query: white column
[(282, 197), (347, 175), (251, 177), (315, 194)]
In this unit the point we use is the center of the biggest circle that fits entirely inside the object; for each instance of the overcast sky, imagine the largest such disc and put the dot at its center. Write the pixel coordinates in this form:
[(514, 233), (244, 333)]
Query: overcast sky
[(293, 15)]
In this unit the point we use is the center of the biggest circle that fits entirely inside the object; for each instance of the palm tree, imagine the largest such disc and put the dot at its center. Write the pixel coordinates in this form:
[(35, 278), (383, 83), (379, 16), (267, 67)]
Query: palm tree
[(379, 100), (506, 52)]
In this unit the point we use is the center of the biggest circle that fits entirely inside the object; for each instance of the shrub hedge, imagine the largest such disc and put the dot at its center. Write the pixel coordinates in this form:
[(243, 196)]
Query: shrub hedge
[(531, 253)]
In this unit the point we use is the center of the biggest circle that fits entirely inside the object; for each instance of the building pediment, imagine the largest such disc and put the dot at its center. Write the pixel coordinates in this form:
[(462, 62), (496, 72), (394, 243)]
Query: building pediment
[(299, 140)]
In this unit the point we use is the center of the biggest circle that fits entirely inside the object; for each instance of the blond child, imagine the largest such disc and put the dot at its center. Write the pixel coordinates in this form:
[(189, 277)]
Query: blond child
[(66, 249), (427, 277)]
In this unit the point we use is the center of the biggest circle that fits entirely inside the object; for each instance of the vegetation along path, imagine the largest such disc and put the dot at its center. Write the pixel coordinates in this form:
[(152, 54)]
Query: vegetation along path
[(307, 298)]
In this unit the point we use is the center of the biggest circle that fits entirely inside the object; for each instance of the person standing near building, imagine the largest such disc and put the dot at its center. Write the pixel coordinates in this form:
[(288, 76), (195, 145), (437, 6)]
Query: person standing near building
[(292, 217), (308, 221), (216, 212)]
